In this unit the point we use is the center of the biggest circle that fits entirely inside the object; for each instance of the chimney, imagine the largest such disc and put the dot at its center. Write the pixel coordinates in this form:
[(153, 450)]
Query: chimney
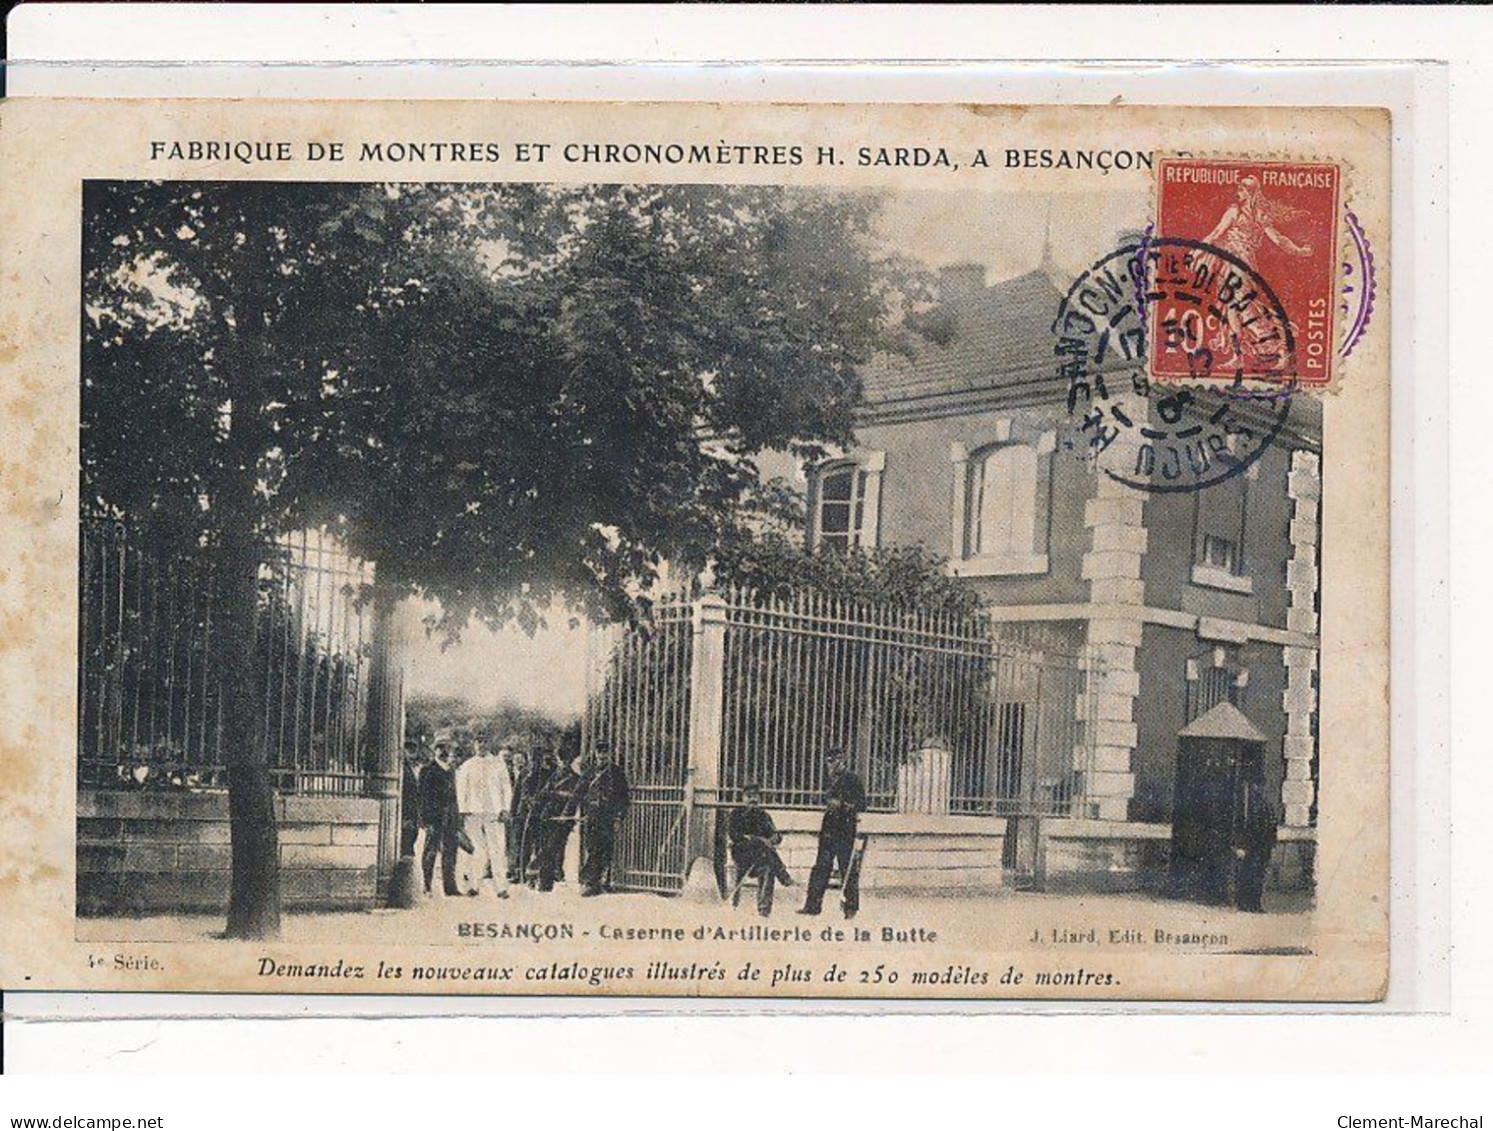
[(961, 283)]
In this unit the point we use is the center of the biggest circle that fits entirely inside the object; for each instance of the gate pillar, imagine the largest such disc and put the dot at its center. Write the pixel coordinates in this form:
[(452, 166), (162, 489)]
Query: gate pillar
[(385, 750), (706, 715)]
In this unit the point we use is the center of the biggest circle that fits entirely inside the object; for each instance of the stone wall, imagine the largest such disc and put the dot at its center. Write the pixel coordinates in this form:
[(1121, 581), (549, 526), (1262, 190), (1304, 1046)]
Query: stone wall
[(160, 853), (948, 854), (908, 852)]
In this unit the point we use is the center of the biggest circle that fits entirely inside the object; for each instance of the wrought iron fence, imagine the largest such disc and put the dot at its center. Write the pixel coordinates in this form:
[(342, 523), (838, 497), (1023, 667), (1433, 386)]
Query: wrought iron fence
[(149, 694), (641, 709), (938, 713), (642, 702)]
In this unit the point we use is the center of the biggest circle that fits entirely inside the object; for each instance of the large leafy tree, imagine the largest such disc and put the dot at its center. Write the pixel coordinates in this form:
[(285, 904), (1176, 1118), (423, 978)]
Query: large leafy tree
[(503, 395)]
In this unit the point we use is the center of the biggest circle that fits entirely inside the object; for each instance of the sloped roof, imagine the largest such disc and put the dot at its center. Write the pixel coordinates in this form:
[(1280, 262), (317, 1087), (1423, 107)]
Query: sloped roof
[(1223, 721), (990, 338)]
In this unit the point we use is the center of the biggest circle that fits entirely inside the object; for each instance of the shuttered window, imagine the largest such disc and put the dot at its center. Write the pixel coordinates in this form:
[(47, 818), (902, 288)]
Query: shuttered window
[(1003, 503), (844, 503)]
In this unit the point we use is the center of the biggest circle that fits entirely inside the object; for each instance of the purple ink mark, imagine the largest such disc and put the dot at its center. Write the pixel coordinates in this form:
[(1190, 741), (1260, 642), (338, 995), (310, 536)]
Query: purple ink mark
[(1138, 276), (1362, 294)]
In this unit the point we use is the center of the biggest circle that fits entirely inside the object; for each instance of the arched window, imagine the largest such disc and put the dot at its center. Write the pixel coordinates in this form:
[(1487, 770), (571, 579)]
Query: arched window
[(844, 498), (1003, 502), (1001, 511)]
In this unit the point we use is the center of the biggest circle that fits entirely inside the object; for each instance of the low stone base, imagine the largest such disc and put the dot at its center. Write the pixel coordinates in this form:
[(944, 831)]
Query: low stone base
[(1107, 863), (909, 852), (153, 853), (1122, 856), (924, 853)]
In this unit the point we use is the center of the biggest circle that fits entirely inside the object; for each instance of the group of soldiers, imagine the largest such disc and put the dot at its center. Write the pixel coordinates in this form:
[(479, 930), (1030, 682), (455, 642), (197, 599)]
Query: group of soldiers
[(497, 813), (502, 814)]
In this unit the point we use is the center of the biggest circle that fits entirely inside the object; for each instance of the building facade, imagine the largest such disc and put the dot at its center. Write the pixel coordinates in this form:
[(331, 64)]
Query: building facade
[(1189, 599)]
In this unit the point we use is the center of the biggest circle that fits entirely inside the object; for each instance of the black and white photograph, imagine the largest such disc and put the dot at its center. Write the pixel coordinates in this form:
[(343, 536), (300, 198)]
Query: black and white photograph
[(755, 567)]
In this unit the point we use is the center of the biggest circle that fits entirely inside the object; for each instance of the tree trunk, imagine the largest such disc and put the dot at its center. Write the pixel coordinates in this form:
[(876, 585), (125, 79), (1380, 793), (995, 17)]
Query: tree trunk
[(254, 891), (254, 888)]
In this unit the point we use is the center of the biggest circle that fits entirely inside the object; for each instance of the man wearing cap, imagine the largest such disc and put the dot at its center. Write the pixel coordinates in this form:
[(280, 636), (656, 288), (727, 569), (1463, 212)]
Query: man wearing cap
[(439, 815), (1254, 838), (844, 798), (516, 765), (409, 799), (484, 796), (754, 848), (555, 812), (534, 791), (604, 802)]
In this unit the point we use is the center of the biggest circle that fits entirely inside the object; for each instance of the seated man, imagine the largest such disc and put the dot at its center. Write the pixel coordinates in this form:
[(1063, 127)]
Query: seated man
[(754, 841)]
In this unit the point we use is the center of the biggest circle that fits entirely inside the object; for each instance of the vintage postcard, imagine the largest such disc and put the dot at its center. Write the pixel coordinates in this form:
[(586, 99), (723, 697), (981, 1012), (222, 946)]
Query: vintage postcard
[(932, 552)]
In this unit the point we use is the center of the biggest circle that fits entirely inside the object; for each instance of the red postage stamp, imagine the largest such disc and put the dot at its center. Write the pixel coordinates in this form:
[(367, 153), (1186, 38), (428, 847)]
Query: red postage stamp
[(1259, 234)]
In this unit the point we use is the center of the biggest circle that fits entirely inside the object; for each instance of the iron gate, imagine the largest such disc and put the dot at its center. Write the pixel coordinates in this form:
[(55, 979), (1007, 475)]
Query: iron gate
[(641, 709), (938, 713)]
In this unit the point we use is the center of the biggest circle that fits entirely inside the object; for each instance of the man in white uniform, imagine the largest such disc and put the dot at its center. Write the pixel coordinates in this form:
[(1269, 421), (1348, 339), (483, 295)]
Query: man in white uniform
[(484, 795)]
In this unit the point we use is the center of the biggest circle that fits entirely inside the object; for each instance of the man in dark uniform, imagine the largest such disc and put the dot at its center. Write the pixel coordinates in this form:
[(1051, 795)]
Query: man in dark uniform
[(409, 800), (517, 767), (844, 798), (604, 804), (1254, 844), (754, 848), (442, 820), (536, 784), (556, 811)]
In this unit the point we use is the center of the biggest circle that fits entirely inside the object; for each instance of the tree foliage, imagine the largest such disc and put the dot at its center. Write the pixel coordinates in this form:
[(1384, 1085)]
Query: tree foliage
[(773, 565), (503, 395), (497, 393)]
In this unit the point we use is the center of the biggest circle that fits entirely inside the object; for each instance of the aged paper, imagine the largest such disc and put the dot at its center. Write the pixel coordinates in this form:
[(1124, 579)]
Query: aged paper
[(932, 552)]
